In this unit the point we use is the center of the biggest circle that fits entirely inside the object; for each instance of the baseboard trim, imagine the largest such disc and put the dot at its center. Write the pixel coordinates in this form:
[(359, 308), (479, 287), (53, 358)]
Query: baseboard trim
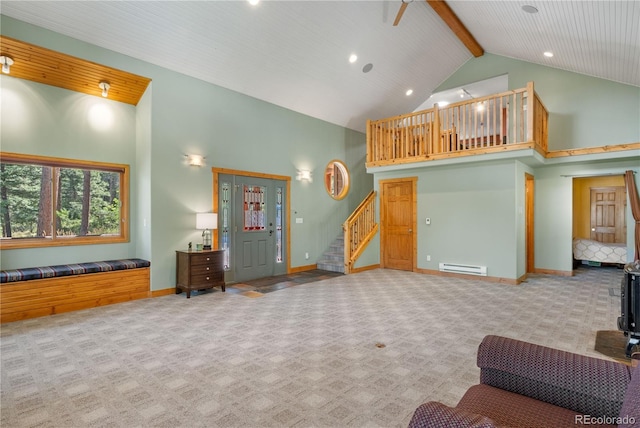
[(554, 272), (364, 268), (508, 281), (298, 269), (163, 292)]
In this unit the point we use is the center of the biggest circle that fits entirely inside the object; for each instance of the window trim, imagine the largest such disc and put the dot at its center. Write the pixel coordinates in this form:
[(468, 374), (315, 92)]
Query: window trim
[(54, 241)]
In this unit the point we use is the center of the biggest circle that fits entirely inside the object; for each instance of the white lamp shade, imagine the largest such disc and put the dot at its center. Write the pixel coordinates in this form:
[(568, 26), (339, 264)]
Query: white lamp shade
[(206, 221)]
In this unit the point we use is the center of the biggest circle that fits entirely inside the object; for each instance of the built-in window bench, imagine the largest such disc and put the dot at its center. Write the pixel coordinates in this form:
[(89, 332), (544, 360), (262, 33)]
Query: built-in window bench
[(47, 290)]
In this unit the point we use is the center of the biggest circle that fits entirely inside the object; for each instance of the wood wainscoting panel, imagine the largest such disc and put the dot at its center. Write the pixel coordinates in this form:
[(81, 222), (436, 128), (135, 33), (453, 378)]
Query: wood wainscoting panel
[(42, 65), (40, 297)]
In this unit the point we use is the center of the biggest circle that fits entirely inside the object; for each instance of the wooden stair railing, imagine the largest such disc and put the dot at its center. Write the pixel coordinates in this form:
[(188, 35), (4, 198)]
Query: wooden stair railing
[(358, 230)]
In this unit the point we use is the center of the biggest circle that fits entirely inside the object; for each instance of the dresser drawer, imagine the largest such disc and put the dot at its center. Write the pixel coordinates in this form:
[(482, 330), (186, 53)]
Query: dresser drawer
[(205, 279), (204, 269), (203, 259)]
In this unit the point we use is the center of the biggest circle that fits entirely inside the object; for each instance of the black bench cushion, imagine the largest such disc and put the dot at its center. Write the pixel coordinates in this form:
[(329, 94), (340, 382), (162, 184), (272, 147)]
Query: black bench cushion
[(14, 275)]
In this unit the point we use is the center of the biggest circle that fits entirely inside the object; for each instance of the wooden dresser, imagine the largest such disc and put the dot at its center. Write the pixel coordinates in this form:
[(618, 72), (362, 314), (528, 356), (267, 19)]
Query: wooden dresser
[(199, 270)]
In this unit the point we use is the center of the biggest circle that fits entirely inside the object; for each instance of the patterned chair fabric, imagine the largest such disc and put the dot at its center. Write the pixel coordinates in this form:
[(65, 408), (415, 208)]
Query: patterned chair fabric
[(516, 410), (630, 412), (523, 384), (26, 274), (442, 415), (583, 384)]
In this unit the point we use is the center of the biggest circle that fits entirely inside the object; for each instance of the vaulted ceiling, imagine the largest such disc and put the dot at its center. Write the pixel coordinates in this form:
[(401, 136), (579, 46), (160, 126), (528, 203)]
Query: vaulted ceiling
[(295, 53)]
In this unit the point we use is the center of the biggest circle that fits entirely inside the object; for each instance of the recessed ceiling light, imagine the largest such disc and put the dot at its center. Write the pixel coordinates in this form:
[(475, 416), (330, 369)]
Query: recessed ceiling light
[(409, 92), (353, 58), (529, 9), (367, 68), (548, 54), (253, 2)]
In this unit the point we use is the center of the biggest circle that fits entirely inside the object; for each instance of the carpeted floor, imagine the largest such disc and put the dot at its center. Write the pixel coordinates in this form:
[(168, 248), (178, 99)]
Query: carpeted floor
[(303, 356)]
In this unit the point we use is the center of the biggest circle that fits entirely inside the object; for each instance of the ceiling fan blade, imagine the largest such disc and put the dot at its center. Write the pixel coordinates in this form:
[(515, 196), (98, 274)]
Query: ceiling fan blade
[(403, 6)]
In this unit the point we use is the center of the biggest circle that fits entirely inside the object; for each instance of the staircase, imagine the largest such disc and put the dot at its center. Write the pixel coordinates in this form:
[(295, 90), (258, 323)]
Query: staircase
[(333, 259)]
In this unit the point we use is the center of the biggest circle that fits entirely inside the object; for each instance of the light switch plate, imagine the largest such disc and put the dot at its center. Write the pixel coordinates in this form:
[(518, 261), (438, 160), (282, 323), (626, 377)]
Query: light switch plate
[(298, 219)]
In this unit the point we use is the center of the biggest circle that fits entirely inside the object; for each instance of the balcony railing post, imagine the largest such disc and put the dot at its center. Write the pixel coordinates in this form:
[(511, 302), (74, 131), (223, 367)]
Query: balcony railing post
[(531, 106), (369, 145), (435, 140)]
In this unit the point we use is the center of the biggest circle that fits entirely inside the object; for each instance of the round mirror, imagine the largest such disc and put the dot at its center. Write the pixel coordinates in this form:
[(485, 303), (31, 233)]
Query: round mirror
[(336, 179)]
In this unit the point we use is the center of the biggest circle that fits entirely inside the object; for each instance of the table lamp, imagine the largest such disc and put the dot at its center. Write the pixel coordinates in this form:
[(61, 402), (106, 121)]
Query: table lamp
[(206, 222)]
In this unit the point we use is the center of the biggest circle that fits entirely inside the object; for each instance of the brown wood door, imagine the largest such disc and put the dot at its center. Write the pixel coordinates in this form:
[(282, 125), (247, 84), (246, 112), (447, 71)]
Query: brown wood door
[(608, 223), (397, 218)]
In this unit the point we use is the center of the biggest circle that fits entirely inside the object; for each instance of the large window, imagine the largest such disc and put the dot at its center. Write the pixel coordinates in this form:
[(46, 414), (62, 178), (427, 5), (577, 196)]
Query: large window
[(51, 201)]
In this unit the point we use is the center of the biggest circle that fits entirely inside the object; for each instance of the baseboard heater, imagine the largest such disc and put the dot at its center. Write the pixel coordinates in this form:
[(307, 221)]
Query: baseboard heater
[(464, 269)]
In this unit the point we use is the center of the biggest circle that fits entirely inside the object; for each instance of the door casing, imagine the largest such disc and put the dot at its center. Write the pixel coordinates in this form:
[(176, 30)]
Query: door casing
[(529, 222)]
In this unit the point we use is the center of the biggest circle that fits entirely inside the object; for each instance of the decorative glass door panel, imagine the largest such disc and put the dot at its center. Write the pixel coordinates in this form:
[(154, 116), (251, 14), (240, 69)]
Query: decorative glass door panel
[(279, 200), (254, 207), (225, 208)]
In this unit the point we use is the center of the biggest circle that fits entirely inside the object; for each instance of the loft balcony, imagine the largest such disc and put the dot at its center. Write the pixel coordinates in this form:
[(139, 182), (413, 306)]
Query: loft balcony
[(512, 120)]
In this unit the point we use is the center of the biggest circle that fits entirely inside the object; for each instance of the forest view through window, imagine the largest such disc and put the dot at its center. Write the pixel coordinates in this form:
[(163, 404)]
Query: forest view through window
[(48, 201)]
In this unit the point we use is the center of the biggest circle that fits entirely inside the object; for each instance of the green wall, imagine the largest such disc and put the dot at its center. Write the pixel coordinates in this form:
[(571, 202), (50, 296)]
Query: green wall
[(584, 111), (471, 208), (181, 115)]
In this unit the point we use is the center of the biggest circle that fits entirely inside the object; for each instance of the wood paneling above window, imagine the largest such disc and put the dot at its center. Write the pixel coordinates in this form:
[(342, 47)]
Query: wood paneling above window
[(64, 71)]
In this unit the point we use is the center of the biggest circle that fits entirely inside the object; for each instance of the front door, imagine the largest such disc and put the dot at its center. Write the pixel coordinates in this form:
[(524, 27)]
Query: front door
[(252, 234), (397, 218)]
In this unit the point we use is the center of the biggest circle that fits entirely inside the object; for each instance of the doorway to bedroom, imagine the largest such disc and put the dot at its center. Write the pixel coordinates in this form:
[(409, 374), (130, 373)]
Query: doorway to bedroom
[(599, 220)]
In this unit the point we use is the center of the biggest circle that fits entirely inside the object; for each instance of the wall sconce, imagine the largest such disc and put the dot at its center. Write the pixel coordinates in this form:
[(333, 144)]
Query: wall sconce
[(105, 88), (195, 160), (206, 222), (6, 62), (304, 175)]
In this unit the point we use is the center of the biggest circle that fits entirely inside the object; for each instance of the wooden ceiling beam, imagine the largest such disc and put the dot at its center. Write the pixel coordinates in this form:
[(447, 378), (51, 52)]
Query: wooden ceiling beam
[(458, 28)]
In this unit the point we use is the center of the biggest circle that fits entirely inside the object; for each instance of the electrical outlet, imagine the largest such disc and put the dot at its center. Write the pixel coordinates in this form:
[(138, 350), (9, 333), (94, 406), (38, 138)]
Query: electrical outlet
[(306, 256), (428, 258), (428, 220)]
